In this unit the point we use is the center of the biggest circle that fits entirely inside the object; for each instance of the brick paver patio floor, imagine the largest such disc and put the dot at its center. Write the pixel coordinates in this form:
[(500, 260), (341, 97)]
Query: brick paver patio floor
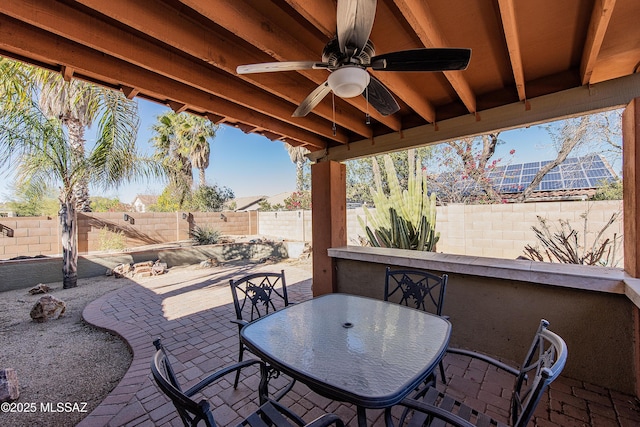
[(190, 310)]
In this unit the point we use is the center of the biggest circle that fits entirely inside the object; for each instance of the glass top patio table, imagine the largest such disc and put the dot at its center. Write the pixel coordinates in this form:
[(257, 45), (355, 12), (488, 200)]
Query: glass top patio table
[(349, 348)]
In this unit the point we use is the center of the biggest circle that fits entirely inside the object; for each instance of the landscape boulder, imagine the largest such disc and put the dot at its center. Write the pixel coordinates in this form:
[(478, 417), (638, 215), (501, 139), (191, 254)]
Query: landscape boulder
[(121, 270), (159, 268), (9, 387), (209, 263), (48, 307), (40, 288)]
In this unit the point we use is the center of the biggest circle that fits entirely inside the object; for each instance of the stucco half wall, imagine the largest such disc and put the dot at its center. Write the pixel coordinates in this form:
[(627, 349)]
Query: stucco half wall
[(499, 316)]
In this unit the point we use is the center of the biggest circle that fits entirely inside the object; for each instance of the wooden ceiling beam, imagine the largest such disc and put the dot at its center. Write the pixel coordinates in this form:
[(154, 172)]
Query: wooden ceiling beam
[(600, 17), (177, 107), (150, 18), (318, 13), (24, 41), (243, 20), (67, 73), (418, 15), (509, 24), (72, 24), (564, 104), (129, 92), (214, 118)]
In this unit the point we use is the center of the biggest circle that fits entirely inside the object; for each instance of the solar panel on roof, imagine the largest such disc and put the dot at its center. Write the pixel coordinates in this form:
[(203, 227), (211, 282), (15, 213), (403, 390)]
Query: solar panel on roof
[(574, 173)]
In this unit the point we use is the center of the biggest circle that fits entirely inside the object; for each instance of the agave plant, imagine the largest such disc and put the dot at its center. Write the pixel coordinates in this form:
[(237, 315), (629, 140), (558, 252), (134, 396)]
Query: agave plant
[(404, 219)]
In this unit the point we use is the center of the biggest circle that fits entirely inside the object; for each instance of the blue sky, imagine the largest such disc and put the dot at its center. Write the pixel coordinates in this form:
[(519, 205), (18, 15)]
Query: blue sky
[(251, 164), (248, 164)]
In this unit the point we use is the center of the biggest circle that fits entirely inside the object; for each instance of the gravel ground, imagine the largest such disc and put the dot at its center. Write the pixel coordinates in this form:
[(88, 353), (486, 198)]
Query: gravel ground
[(65, 367)]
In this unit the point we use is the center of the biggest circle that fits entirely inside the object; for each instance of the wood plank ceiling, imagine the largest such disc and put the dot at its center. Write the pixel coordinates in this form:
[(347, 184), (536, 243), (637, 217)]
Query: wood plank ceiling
[(184, 54)]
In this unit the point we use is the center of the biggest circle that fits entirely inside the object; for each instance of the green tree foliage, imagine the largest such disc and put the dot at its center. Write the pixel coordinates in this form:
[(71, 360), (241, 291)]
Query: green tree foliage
[(168, 200), (104, 204), (404, 219), (181, 143), (265, 206), (29, 203), (42, 155), (609, 191), (207, 198), (210, 198)]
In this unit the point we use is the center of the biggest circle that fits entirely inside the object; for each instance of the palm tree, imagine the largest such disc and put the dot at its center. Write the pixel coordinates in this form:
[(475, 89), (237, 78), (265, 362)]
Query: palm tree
[(182, 142), (42, 155), (78, 105), (194, 132), (297, 156)]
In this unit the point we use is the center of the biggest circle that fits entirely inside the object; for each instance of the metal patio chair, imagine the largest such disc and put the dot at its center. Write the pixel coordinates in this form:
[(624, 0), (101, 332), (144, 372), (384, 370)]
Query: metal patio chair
[(543, 364), (419, 289), (270, 412), (254, 296)]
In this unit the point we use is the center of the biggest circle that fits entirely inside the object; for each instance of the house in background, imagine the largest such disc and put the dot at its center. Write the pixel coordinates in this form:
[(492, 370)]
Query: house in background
[(252, 203), (142, 202), (244, 204)]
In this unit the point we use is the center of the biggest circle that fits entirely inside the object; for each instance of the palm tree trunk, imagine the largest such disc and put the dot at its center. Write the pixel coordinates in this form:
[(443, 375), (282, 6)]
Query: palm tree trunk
[(69, 228), (202, 177), (300, 174), (76, 141)]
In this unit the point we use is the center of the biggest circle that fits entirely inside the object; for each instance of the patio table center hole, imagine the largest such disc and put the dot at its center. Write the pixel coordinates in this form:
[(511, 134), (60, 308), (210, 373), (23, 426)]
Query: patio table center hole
[(347, 325)]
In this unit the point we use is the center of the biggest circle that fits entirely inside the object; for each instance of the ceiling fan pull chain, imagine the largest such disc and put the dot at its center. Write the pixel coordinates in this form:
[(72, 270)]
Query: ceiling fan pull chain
[(367, 117), (333, 105)]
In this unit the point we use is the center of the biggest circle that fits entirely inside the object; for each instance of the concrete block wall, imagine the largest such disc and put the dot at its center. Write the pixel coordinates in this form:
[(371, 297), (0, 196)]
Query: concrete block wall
[(503, 230), (41, 235), (31, 236), (287, 225), (498, 231), (229, 223)]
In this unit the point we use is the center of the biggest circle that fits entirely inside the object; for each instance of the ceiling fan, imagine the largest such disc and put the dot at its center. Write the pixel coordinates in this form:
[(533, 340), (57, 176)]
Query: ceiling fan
[(348, 55)]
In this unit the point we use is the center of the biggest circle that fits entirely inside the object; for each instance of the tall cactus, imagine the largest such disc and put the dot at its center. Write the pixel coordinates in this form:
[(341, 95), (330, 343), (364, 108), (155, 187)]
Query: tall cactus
[(405, 219)]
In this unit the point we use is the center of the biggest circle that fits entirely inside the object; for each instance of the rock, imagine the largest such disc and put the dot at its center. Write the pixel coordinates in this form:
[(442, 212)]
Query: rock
[(40, 288), (47, 307), (159, 268), (208, 263), (121, 270), (9, 387), (142, 264)]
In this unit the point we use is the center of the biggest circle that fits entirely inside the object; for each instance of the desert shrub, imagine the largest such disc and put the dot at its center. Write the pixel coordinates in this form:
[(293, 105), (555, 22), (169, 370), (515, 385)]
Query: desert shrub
[(205, 236), (111, 240)]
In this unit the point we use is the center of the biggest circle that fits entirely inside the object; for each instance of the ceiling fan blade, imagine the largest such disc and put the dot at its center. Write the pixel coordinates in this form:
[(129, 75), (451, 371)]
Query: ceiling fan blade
[(312, 100), (269, 67), (354, 22), (434, 59), (380, 98)]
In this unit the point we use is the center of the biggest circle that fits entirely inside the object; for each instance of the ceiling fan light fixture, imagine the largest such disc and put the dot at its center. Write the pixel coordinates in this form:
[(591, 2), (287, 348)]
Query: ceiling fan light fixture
[(347, 82)]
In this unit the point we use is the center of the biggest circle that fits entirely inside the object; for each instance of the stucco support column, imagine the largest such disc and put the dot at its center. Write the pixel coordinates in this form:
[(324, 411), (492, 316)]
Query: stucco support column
[(329, 220), (631, 207)]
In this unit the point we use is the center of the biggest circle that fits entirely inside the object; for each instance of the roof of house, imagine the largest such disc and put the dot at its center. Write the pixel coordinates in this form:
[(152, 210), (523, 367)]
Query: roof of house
[(279, 198), (248, 203), (146, 199)]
